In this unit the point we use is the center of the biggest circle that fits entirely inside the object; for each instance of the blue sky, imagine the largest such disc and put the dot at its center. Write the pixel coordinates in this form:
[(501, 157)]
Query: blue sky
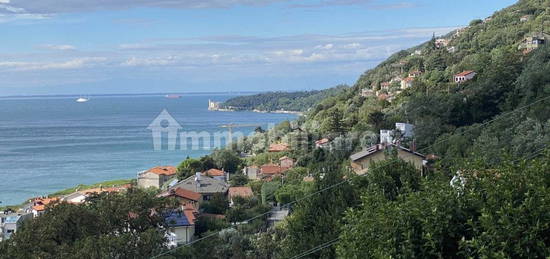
[(150, 46)]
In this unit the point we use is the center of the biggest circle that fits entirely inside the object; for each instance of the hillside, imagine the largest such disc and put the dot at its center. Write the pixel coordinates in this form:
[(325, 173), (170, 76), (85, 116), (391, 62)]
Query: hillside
[(478, 98), (508, 76), (288, 101)]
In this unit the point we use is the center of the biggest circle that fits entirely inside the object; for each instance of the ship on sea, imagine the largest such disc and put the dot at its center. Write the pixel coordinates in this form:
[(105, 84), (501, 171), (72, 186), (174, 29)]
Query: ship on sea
[(173, 96), (82, 99)]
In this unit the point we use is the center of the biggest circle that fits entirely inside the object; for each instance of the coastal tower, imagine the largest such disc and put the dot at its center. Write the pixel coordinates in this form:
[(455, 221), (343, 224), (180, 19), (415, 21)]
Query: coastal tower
[(213, 106)]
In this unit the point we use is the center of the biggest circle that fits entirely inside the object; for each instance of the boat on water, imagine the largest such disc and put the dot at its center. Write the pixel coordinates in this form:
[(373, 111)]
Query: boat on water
[(173, 96), (82, 99)]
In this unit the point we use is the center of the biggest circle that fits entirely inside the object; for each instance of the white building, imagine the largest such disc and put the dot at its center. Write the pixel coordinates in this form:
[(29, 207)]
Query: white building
[(464, 76), (10, 222), (156, 177)]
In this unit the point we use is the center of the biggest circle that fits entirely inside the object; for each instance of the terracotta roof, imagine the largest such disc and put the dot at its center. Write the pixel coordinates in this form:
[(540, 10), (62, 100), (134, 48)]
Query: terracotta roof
[(40, 203), (182, 193), (284, 158), (244, 192), (278, 147), (272, 169), (408, 79), (465, 73), (214, 172), (163, 170)]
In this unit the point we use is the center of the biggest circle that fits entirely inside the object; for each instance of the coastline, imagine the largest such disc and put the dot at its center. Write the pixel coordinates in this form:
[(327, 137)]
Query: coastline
[(257, 111)]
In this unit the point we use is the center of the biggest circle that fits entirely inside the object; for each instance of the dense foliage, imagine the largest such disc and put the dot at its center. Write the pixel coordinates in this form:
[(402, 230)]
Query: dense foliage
[(125, 225), (485, 197), (288, 101)]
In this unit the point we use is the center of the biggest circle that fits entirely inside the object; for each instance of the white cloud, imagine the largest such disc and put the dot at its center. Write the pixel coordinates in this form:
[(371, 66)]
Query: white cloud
[(326, 46), (66, 6), (69, 64), (58, 47)]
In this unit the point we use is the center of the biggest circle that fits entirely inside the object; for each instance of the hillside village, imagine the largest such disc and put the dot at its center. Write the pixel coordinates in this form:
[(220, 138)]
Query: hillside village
[(440, 151)]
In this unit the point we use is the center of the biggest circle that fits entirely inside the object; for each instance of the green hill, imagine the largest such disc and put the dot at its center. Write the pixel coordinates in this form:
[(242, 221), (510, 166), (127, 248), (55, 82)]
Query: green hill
[(288, 101), (509, 77)]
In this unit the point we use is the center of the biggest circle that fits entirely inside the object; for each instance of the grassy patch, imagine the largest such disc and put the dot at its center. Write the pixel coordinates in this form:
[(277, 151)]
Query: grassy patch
[(83, 187)]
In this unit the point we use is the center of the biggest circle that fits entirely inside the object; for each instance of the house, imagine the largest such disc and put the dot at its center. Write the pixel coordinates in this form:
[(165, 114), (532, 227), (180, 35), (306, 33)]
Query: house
[(185, 197), (217, 174), (533, 41), (407, 82), (525, 18), (415, 73), (156, 176), (10, 222), (206, 186), (39, 205), (385, 85), (243, 192), (464, 76), (395, 79), (271, 170), (440, 43), (451, 49), (251, 172), (367, 92), (286, 162), (322, 143), (181, 227), (361, 161), (282, 147)]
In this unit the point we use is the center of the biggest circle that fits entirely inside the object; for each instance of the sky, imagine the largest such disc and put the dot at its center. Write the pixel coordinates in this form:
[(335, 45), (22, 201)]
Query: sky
[(162, 46)]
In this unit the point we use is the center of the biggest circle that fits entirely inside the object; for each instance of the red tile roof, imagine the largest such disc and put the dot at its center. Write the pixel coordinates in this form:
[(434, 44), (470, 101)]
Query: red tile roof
[(163, 170), (186, 194), (191, 213), (214, 172), (244, 192), (40, 203), (408, 79), (465, 73), (272, 169)]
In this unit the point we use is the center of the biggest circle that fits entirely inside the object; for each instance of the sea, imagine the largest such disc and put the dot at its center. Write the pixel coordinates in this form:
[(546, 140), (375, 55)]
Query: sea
[(52, 143)]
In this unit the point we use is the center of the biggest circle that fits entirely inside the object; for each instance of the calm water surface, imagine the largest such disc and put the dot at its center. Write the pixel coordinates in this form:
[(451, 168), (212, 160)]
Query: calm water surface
[(48, 144)]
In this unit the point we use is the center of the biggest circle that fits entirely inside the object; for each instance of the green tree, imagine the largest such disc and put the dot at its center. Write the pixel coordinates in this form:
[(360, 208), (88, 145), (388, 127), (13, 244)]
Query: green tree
[(189, 167), (114, 225), (226, 160)]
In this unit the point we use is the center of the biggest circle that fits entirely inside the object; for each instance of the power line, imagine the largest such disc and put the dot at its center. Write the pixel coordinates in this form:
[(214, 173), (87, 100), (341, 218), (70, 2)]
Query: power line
[(317, 248), (347, 180), (334, 241)]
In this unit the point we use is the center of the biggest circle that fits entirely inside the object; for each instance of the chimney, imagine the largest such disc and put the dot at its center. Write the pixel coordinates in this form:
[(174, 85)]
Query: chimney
[(197, 177)]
